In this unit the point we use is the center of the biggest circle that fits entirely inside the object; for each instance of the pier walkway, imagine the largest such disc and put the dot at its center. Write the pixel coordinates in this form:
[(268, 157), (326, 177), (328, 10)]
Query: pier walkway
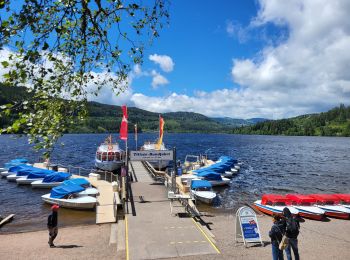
[(107, 200), (152, 232)]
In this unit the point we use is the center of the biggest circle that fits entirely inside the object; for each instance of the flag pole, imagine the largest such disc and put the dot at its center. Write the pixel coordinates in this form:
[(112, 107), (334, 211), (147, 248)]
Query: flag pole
[(136, 137)]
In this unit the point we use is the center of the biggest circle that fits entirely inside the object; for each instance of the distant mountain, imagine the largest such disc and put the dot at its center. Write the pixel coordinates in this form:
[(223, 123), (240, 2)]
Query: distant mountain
[(234, 122), (106, 118)]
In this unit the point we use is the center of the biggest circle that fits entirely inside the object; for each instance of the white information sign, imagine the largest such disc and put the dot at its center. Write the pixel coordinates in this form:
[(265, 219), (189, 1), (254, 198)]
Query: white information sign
[(247, 226), (151, 155)]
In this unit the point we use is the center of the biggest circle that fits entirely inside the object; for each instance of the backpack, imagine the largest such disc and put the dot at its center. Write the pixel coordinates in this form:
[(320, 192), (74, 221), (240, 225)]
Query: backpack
[(292, 227)]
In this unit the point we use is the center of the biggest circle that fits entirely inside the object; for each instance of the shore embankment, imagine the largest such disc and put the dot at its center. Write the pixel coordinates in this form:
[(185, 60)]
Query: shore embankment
[(317, 240)]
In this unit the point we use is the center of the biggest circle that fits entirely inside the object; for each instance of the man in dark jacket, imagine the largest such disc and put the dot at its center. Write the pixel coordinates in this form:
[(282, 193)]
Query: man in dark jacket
[(52, 225), (276, 233), (292, 232)]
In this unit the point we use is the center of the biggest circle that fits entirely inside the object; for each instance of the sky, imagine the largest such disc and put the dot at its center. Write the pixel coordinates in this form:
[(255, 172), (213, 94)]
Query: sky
[(245, 58)]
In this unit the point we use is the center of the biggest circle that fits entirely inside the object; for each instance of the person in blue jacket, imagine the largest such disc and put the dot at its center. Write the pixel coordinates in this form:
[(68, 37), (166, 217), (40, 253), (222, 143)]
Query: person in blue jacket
[(276, 233)]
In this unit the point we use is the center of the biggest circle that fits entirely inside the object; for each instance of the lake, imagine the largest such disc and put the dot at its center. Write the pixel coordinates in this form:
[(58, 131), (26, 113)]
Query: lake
[(271, 164)]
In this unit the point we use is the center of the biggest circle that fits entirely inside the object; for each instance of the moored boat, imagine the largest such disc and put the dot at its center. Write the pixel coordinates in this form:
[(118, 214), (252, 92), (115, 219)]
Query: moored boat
[(51, 180), (109, 156), (273, 204), (214, 178), (202, 190), (306, 206), (344, 199), (70, 196), (330, 204), (157, 146)]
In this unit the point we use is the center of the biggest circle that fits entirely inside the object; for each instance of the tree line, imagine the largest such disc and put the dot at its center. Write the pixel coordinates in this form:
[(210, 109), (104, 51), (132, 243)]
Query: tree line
[(335, 122)]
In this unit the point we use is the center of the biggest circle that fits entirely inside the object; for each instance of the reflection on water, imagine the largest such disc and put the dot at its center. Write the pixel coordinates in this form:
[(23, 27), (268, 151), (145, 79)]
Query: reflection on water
[(272, 164)]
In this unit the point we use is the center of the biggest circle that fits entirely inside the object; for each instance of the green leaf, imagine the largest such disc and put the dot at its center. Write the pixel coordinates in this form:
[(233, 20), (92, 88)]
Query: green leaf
[(5, 64)]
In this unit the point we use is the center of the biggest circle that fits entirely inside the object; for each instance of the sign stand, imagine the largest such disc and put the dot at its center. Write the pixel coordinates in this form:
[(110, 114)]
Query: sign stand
[(247, 227)]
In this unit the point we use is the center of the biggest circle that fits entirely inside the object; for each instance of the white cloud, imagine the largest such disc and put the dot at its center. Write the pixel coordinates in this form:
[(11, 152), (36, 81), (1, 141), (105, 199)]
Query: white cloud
[(305, 73), (165, 62), (158, 79), (308, 71), (234, 29)]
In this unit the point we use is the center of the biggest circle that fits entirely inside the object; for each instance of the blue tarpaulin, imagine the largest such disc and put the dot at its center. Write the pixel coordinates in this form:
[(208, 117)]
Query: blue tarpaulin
[(77, 181), (195, 184), (223, 164), (14, 169), (56, 177), (212, 176), (39, 174), (61, 191), (27, 171)]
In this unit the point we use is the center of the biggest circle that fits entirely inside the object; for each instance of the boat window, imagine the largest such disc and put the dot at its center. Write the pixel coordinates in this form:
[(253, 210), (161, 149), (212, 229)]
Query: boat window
[(117, 156), (110, 156), (104, 156)]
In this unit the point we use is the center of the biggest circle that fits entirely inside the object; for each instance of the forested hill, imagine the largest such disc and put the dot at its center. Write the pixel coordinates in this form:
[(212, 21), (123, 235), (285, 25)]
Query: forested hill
[(335, 122), (106, 118)]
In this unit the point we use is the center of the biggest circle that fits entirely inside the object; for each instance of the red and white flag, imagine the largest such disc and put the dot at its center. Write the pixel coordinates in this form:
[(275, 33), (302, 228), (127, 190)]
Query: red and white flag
[(124, 124)]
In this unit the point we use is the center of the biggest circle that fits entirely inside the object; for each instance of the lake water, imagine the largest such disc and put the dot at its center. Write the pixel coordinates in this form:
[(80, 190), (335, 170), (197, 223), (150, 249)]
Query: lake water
[(271, 164)]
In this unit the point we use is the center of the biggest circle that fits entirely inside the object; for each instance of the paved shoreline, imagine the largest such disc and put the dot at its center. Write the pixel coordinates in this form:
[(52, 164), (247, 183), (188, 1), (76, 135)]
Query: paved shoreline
[(317, 240)]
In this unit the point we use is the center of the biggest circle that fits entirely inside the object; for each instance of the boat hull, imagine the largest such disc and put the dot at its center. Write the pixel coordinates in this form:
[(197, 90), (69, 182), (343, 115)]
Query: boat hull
[(223, 182), (204, 196), (13, 177), (159, 165), (25, 181), (39, 184), (108, 165), (273, 210), (336, 211), (81, 202), (310, 212)]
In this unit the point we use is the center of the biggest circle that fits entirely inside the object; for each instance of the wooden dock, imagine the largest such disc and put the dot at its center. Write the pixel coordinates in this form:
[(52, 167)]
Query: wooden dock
[(107, 200), (152, 231)]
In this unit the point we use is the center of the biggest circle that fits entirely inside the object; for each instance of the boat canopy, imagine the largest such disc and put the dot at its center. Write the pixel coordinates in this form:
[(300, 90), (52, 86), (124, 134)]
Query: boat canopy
[(56, 177), (269, 199), (15, 169), (34, 170), (15, 162), (223, 164), (61, 191), (210, 175), (343, 197), (38, 174), (300, 198), (195, 184), (325, 198), (77, 181)]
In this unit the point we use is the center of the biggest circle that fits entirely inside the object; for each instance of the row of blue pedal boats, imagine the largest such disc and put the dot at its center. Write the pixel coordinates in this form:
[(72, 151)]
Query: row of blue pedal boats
[(66, 191)]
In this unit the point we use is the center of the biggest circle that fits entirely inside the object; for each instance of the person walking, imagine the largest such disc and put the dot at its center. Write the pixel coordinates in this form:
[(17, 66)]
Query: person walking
[(276, 233), (52, 225), (292, 232)]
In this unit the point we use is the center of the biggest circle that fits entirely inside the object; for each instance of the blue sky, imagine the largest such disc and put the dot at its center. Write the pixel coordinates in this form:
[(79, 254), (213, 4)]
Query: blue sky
[(244, 59)]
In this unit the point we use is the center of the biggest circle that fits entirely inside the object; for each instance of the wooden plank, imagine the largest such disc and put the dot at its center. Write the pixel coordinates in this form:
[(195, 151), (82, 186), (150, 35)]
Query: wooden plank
[(7, 219)]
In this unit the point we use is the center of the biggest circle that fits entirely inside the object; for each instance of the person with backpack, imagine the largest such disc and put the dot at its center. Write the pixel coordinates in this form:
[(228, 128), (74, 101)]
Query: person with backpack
[(292, 232), (276, 233)]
